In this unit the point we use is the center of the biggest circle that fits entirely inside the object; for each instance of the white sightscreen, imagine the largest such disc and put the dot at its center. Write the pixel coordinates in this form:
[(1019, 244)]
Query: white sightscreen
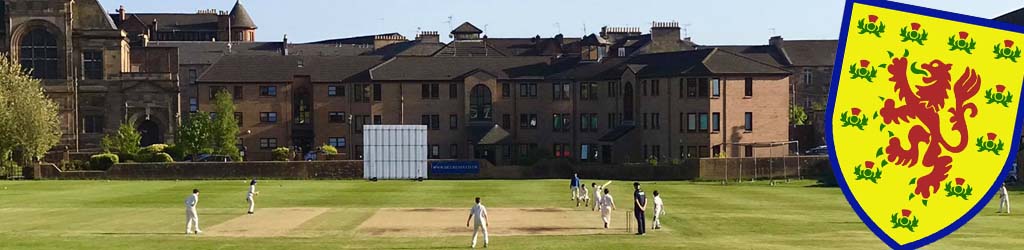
[(394, 151)]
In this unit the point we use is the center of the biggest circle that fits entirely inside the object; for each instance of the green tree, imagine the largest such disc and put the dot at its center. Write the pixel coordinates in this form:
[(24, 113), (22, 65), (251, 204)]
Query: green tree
[(125, 141), (224, 132), (797, 116), (193, 136), (29, 122)]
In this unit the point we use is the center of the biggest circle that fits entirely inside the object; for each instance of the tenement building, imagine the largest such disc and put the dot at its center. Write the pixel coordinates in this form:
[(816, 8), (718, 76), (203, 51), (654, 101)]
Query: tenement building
[(617, 96)]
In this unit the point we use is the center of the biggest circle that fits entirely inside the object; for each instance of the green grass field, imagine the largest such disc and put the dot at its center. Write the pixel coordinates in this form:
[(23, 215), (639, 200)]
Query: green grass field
[(149, 215)]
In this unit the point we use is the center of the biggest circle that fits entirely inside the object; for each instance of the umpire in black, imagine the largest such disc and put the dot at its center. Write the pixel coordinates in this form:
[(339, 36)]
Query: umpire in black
[(639, 205)]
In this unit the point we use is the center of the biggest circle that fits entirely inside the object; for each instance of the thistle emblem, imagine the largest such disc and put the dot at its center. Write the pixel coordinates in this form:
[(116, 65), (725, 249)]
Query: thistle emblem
[(990, 145), (904, 221), (1006, 51), (865, 71), (915, 34), (961, 43), (959, 190), (868, 174), (999, 97), (854, 118), (873, 26)]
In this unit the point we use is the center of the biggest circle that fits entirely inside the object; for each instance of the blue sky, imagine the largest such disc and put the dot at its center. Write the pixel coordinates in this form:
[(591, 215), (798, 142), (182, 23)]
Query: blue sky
[(708, 22)]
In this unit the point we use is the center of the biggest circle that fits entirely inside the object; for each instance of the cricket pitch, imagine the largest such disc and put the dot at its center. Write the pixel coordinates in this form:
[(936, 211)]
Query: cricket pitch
[(267, 222), (441, 222)]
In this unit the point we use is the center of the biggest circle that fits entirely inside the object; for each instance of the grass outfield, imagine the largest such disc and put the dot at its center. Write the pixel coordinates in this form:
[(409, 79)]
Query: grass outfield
[(149, 215)]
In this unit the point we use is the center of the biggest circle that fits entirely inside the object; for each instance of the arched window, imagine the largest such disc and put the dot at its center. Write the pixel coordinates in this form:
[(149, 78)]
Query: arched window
[(39, 53), (480, 103)]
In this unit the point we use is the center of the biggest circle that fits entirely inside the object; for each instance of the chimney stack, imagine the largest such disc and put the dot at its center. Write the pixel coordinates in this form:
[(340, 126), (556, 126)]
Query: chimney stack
[(616, 34), (380, 41), (428, 37), (121, 12), (156, 25), (665, 37), (284, 45), (776, 41)]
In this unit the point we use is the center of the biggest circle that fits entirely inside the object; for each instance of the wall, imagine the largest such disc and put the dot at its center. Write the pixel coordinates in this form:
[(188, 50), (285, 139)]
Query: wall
[(215, 170)]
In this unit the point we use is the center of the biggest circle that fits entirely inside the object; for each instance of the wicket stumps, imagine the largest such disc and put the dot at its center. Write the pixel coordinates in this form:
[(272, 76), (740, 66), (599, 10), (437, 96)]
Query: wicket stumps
[(629, 221)]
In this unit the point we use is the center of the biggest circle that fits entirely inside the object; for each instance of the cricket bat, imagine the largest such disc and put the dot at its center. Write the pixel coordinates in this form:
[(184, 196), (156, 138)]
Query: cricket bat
[(606, 184)]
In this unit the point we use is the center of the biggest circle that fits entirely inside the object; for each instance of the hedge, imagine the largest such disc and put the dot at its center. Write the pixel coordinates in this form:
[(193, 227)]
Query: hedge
[(282, 154), (103, 161)]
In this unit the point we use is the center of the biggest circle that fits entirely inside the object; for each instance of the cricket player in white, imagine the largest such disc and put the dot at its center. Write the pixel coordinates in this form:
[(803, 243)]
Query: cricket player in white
[(607, 205), (479, 216), (597, 196), (190, 212), (1004, 199), (584, 196), (659, 210), (249, 197)]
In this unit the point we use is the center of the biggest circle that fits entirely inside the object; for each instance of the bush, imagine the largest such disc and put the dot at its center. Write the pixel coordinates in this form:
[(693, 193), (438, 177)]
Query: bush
[(155, 148), (103, 161), (74, 165), (126, 157), (161, 157), (329, 150), (282, 154), (176, 152)]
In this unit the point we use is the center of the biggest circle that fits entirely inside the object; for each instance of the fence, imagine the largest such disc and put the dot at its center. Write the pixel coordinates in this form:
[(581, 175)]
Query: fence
[(763, 168)]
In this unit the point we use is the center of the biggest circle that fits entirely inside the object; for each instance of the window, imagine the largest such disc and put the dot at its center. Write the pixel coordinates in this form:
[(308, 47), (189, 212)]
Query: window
[(336, 117), (238, 118), (748, 121), (528, 90), (506, 121), (92, 64), (562, 150), (655, 87), (703, 152), (193, 105), (691, 122), (337, 142), (691, 152), (589, 152), (702, 87), (691, 87), (703, 122), (505, 90), (39, 54), (268, 143), (748, 151), (480, 103), (643, 86), (808, 76), (453, 122), (361, 93), (93, 124), (716, 87), (432, 121), (237, 94), (193, 75), (268, 90), (622, 52), (613, 88), (613, 120), (748, 87), (560, 122), (435, 151), (378, 91), (453, 91), (214, 90), (268, 117), (429, 90), (716, 126), (645, 121), (333, 91), (588, 122), (716, 151), (560, 91), (359, 121), (655, 120), (588, 91), (378, 119), (453, 151), (528, 121)]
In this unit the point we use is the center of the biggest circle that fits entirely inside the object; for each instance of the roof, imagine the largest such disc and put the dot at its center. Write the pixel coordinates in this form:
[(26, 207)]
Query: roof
[(763, 53), (609, 68), (177, 21), (467, 28), (468, 48), (535, 46), (701, 62), (276, 68), (1012, 17), (355, 40), (616, 133), (811, 52), (593, 40), (240, 17), (90, 15), (487, 134), (407, 48), (206, 52), (405, 68)]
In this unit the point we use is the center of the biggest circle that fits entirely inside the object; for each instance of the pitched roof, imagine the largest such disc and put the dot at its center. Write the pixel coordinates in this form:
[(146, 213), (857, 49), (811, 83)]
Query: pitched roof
[(467, 28), (811, 52), (407, 48), (469, 48), (177, 21), (90, 15), (449, 68), (701, 62), (206, 52), (607, 69), (275, 68), (240, 17), (1013, 17), (356, 39), (763, 53)]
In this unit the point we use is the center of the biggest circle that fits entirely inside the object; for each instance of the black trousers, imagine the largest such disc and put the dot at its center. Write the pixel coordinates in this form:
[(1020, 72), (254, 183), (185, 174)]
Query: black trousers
[(641, 227)]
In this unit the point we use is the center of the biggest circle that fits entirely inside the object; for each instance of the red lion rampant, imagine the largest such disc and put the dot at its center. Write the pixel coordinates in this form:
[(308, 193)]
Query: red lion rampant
[(925, 105)]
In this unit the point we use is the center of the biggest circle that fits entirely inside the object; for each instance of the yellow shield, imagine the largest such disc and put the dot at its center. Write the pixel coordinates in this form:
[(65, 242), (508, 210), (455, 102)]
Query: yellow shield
[(922, 116)]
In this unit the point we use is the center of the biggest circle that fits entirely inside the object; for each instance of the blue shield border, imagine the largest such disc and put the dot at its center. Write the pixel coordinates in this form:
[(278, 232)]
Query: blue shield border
[(830, 113)]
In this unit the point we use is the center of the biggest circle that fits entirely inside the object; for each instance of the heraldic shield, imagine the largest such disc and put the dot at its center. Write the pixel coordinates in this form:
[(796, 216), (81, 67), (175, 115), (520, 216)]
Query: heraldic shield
[(923, 117)]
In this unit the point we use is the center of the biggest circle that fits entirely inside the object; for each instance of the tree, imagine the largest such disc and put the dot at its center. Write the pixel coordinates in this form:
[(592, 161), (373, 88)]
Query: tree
[(224, 129), (124, 142), (193, 137), (797, 116), (29, 123)]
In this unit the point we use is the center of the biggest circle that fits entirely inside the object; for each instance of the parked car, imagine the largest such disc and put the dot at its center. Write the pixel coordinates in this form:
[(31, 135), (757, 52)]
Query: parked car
[(213, 158), (819, 150)]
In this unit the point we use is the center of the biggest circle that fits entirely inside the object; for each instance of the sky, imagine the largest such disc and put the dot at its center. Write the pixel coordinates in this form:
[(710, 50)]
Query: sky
[(714, 22)]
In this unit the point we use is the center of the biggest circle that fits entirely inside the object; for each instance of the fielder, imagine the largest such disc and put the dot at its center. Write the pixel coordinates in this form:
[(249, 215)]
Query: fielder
[(1004, 199), (479, 216), (190, 212), (607, 205), (659, 210), (574, 186), (249, 197), (584, 196)]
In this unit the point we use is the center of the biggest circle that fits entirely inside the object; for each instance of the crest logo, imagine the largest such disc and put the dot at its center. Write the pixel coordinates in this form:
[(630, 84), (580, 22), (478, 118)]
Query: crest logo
[(940, 142)]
